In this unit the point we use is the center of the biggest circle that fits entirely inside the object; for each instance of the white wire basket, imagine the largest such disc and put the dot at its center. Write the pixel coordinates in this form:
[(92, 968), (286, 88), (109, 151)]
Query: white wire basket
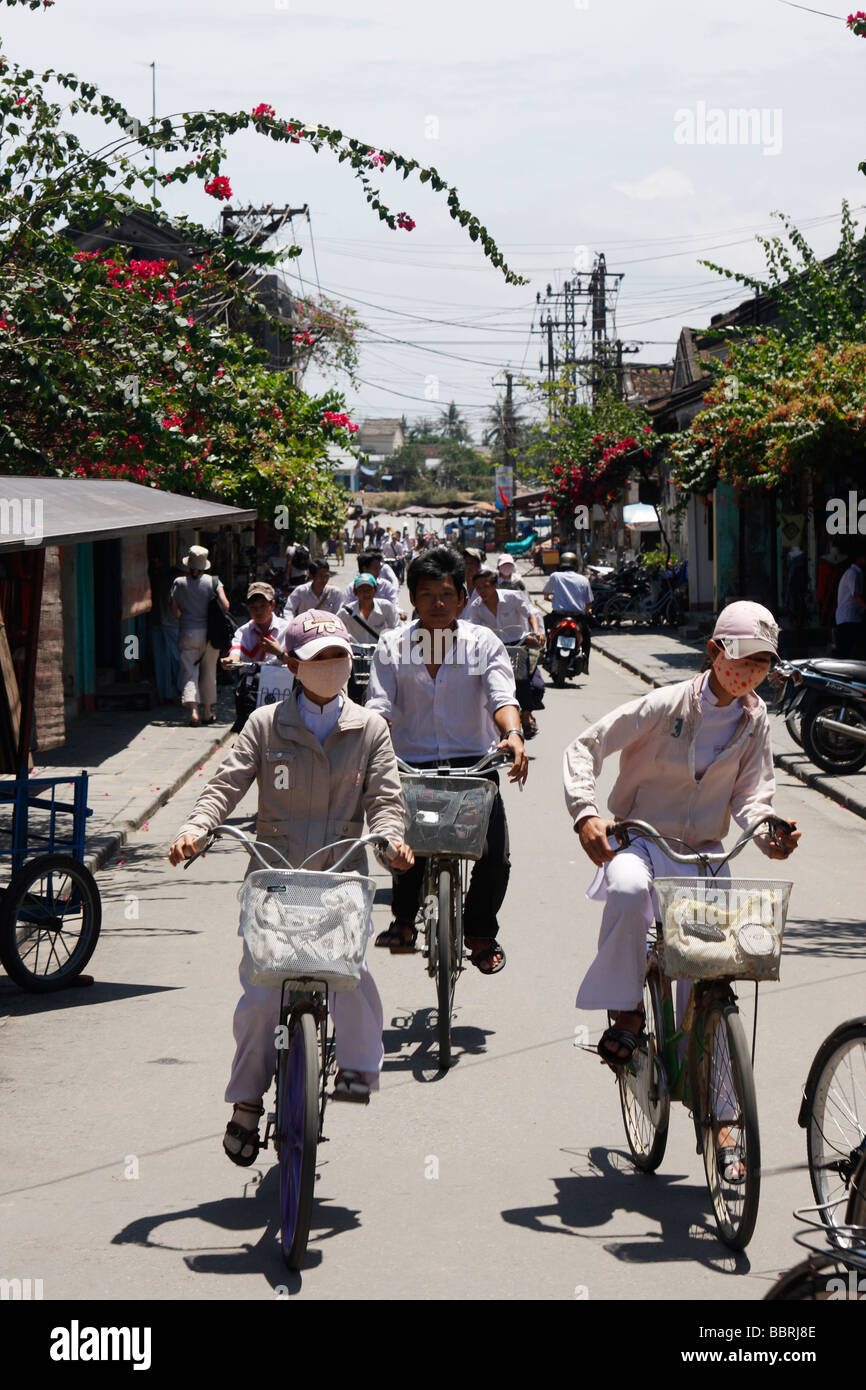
[(722, 928), (298, 924), (447, 815)]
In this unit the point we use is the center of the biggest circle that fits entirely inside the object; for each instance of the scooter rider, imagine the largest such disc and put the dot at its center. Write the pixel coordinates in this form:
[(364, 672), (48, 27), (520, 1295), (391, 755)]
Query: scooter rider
[(570, 595)]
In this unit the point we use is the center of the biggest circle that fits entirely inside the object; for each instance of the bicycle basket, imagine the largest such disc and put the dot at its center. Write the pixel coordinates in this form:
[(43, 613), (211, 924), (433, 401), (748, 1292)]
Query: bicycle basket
[(447, 815), (523, 661), (298, 923), (722, 928)]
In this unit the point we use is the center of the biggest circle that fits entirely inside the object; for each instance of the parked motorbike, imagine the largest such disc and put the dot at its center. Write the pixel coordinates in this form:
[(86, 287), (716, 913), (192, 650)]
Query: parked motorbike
[(823, 703), (564, 654), (246, 691), (362, 655)]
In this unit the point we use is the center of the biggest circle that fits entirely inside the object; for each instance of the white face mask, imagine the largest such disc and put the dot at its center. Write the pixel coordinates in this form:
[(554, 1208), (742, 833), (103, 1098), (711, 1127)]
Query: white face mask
[(324, 678)]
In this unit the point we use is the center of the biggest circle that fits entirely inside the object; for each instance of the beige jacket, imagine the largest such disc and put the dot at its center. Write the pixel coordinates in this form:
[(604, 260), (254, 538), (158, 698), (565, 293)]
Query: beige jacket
[(309, 793), (655, 736)]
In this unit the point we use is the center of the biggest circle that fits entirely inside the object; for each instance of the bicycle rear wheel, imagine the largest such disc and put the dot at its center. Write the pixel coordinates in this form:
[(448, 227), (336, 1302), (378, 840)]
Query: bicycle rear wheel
[(50, 918), (298, 1135), (643, 1087), (834, 1115), (723, 1090), (448, 886), (816, 1280)]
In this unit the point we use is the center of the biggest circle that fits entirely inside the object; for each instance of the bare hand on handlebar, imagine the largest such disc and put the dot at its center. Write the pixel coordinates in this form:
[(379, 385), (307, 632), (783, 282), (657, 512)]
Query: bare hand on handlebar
[(184, 847), (520, 766), (783, 842), (593, 832), (399, 856)]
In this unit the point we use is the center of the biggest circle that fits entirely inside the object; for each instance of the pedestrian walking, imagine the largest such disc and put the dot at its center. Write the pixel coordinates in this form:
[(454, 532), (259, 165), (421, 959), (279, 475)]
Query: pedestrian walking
[(191, 595), (851, 609)]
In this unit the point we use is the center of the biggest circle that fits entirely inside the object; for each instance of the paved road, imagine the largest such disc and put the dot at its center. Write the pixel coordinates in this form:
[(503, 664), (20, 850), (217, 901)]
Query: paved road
[(505, 1178)]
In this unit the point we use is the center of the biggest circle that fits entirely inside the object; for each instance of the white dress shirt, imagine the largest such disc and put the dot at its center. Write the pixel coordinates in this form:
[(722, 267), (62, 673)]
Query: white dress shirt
[(716, 729), (568, 591), (851, 583), (510, 622), (451, 716), (247, 644), (321, 720), (383, 617), (302, 599), (386, 588)]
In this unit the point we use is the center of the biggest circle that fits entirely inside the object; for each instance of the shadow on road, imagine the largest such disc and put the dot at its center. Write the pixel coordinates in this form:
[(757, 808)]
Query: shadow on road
[(826, 937), (18, 1004), (255, 1213), (606, 1183), (412, 1035)]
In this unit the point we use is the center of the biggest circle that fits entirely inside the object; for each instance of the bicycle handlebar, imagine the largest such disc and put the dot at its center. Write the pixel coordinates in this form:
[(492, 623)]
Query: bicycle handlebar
[(647, 832), (494, 759), (380, 842)]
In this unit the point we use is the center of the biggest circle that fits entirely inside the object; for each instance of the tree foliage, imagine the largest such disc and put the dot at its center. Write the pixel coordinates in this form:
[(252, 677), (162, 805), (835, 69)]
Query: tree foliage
[(113, 366)]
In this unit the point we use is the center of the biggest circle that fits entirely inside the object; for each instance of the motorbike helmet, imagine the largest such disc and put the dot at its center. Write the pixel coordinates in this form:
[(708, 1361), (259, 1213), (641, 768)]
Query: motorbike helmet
[(568, 560)]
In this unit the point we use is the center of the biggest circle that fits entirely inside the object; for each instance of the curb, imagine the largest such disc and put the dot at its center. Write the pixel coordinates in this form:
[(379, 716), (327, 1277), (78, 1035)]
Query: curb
[(788, 762), (104, 847)]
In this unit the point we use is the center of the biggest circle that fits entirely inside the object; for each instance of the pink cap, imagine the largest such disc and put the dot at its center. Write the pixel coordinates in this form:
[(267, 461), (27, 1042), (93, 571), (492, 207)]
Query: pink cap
[(744, 628), (309, 633)]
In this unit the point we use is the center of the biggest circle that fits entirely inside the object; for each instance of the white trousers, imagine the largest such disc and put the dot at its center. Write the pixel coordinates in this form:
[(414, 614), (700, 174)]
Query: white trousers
[(357, 1015), (615, 979), (198, 661)]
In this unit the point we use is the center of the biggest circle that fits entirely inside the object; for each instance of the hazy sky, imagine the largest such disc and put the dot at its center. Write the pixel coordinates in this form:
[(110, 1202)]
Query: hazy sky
[(569, 127)]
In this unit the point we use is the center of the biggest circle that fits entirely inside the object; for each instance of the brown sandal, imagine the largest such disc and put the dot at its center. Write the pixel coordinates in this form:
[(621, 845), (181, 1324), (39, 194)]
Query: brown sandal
[(399, 939), (248, 1138)]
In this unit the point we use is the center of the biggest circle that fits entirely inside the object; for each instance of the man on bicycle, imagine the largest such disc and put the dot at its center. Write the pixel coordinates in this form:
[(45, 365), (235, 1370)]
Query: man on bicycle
[(692, 755), (263, 638), (446, 688), (570, 595), (322, 764), (318, 593)]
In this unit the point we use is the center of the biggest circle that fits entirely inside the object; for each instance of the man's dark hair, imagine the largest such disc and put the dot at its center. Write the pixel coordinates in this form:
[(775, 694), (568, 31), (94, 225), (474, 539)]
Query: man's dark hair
[(368, 558), (316, 566), (442, 562)]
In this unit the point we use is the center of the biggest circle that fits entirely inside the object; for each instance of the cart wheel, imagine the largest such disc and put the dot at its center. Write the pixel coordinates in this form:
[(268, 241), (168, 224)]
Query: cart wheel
[(50, 916)]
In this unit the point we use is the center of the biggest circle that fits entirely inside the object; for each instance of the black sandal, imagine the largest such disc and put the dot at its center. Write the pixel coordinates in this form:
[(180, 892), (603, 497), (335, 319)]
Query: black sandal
[(486, 953), (621, 1037), (399, 939), (249, 1138)]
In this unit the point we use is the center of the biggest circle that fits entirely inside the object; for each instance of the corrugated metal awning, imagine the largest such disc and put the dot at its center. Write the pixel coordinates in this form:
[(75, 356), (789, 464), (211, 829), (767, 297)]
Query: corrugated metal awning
[(36, 512)]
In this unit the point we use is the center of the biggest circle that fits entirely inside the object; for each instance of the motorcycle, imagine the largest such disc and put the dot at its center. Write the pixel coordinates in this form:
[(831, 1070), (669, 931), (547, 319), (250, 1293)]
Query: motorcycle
[(362, 655), (823, 703), (564, 653)]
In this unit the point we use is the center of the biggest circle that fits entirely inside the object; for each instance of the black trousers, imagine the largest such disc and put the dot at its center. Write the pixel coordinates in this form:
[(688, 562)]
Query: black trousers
[(488, 882), (850, 641)]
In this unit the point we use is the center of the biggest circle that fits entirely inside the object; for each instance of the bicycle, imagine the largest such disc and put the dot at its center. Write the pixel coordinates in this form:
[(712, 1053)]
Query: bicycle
[(448, 826), (833, 1114), (837, 1257), (712, 931), (307, 932)]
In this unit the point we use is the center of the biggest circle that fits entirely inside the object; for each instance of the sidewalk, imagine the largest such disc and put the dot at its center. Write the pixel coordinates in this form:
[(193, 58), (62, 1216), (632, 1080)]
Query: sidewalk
[(660, 659), (135, 763)]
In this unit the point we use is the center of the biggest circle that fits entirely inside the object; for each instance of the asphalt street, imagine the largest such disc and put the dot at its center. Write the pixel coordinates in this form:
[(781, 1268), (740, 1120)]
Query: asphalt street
[(505, 1178)]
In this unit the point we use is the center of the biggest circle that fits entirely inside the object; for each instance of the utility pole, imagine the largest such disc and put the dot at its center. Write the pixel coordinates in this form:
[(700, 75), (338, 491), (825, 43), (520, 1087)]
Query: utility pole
[(252, 226), (508, 448), (562, 315)]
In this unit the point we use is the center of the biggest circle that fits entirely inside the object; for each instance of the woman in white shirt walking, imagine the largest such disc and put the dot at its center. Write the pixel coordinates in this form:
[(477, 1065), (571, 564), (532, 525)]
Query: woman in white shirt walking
[(191, 595)]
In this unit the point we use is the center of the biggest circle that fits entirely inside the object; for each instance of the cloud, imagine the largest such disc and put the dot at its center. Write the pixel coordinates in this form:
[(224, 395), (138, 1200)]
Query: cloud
[(664, 183)]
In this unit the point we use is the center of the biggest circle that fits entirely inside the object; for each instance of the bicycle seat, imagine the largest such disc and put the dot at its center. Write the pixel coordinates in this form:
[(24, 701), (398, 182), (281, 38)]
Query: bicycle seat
[(842, 670)]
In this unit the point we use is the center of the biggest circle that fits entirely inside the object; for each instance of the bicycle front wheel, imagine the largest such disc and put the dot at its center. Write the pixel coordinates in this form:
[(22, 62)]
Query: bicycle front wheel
[(834, 1113), (723, 1089), (643, 1086), (449, 884), (298, 1135), (50, 918)]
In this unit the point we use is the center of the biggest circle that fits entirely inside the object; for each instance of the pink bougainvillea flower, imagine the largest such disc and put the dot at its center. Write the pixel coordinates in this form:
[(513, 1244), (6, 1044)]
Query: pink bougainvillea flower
[(219, 187), (263, 109), (405, 221)]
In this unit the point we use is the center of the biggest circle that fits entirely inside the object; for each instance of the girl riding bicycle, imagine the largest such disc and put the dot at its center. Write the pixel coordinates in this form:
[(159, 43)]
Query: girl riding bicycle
[(693, 754), (322, 763)]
